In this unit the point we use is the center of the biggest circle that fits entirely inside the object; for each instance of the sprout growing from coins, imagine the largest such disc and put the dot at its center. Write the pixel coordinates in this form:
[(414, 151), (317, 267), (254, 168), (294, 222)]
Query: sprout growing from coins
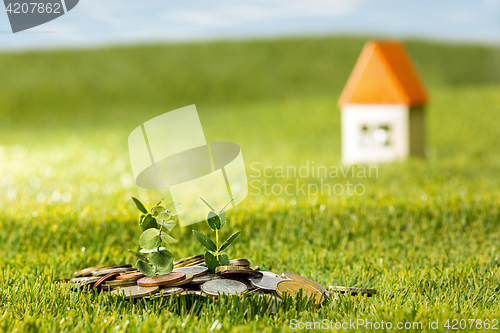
[(155, 225), (214, 256)]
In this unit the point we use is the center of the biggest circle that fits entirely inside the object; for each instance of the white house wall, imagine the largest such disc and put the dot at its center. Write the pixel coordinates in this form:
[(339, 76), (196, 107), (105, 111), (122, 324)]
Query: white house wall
[(355, 116)]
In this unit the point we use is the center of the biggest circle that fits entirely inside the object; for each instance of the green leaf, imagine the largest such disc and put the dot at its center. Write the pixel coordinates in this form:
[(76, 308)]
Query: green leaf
[(229, 241), (223, 260), (150, 239), (147, 222), (211, 262), (206, 203), (161, 248), (145, 268), (161, 259), (213, 221), (167, 238), (174, 208), (205, 241), (166, 270), (157, 210), (170, 224), (226, 205), (222, 216), (140, 206), (137, 254), (163, 217)]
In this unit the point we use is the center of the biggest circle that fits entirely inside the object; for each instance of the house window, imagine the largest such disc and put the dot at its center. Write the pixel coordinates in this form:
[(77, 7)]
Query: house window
[(382, 136), (366, 140), (375, 137)]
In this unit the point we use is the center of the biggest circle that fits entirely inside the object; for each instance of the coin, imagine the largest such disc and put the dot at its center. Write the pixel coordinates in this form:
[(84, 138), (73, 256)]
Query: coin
[(160, 280), (191, 261), (239, 262), (266, 282), (168, 292), (223, 286), (193, 258), (114, 284), (298, 278), (239, 274), (135, 291), (106, 277), (232, 268), (194, 270), (83, 281), (110, 270), (203, 278), (88, 271), (292, 288), (187, 279), (126, 276), (271, 274), (353, 290)]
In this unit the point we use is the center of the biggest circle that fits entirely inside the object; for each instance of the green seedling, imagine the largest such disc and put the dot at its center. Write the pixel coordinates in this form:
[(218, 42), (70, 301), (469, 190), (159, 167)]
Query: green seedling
[(215, 257), (153, 257)]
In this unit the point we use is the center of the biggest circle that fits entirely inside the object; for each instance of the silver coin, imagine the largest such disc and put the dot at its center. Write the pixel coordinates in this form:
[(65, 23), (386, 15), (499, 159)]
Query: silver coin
[(111, 270), (135, 291), (223, 286), (266, 282), (271, 274), (169, 291), (194, 270), (203, 278)]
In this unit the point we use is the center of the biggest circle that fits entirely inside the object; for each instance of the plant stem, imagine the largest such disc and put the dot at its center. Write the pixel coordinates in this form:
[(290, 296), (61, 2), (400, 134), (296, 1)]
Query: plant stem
[(217, 243)]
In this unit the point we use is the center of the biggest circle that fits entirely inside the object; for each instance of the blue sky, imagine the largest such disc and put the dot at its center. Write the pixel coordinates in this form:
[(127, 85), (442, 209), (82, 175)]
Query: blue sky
[(101, 22)]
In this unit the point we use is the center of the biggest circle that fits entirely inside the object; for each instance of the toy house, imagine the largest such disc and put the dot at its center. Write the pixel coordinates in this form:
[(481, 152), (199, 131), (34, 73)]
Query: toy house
[(382, 107)]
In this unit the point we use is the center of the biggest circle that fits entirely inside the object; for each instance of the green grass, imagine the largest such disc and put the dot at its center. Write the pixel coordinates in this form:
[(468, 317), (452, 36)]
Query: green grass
[(425, 234)]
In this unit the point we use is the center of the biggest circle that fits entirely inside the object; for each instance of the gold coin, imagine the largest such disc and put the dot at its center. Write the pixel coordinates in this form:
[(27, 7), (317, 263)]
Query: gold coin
[(292, 288), (239, 262), (298, 278), (231, 268), (135, 291), (189, 264), (119, 283), (190, 259), (107, 287)]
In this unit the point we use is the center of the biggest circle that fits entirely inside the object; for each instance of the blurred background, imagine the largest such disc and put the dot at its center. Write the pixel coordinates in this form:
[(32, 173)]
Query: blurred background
[(263, 74)]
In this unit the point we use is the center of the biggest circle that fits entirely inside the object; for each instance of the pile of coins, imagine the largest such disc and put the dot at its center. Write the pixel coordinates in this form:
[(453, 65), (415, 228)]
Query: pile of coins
[(191, 276)]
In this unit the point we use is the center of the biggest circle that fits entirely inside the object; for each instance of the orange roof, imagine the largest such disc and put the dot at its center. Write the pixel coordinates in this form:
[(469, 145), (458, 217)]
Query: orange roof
[(384, 74)]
